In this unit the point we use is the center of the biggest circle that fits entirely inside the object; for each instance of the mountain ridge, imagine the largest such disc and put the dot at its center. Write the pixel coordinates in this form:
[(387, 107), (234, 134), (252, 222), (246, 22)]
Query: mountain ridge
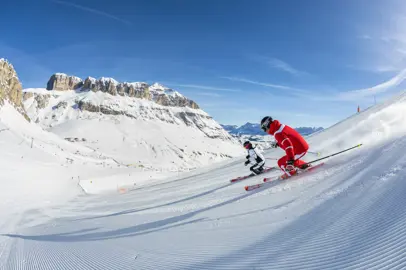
[(156, 92), (253, 129)]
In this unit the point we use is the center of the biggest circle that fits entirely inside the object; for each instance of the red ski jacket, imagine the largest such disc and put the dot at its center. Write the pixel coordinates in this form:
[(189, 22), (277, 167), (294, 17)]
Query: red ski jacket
[(288, 139)]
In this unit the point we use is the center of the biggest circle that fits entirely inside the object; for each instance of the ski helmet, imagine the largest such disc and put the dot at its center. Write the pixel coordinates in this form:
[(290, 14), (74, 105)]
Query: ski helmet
[(266, 122), (247, 145)]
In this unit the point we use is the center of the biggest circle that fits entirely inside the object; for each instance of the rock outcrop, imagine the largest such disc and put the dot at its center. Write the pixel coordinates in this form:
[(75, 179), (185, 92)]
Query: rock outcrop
[(155, 92), (10, 87), (61, 81)]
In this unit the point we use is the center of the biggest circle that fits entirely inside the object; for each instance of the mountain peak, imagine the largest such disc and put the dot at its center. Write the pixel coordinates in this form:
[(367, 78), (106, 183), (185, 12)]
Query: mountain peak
[(158, 86), (108, 80)]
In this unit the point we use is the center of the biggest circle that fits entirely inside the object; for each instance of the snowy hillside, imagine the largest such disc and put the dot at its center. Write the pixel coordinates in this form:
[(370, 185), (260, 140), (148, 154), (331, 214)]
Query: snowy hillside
[(133, 131), (349, 214), (38, 166)]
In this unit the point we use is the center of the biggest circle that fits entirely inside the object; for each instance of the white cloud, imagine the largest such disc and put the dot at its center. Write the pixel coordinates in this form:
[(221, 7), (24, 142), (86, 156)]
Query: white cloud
[(382, 44), (365, 36), (277, 63), (281, 65), (377, 68), (377, 89), (204, 87), (236, 79), (270, 85), (209, 94), (92, 10)]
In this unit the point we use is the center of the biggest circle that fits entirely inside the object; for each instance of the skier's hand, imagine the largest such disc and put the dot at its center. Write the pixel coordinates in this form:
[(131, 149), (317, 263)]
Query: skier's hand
[(274, 144), (247, 157), (290, 162), (247, 162)]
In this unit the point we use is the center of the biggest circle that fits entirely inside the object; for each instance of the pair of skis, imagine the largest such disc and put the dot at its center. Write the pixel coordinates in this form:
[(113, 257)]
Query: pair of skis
[(282, 177), (300, 171), (251, 175)]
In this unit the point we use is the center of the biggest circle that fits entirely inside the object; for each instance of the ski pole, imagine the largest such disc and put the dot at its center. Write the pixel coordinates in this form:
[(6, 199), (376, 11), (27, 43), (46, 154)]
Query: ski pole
[(334, 154)]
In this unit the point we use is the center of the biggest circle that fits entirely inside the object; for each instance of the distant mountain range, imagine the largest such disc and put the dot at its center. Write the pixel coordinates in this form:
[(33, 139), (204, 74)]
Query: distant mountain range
[(255, 129)]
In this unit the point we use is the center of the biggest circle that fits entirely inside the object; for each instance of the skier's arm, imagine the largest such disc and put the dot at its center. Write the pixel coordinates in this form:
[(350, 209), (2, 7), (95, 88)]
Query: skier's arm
[(286, 144)]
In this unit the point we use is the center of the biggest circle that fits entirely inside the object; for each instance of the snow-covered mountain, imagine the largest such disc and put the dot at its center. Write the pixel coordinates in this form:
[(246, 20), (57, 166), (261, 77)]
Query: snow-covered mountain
[(255, 129), (135, 123)]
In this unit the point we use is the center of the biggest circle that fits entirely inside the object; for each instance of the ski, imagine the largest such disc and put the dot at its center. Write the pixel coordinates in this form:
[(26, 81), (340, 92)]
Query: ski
[(281, 177), (251, 175)]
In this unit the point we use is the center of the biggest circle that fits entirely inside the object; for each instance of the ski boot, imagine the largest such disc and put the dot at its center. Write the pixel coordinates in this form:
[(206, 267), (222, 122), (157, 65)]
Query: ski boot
[(305, 166)]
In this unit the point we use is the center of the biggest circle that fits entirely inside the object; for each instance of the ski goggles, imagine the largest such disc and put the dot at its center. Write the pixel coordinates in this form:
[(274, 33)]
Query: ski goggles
[(265, 126)]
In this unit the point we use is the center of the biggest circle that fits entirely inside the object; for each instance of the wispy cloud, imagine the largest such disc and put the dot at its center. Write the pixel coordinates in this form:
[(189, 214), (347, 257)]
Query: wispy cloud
[(281, 65), (376, 68), (382, 46), (92, 10), (270, 85), (209, 94), (365, 36), (276, 63), (204, 87), (377, 89)]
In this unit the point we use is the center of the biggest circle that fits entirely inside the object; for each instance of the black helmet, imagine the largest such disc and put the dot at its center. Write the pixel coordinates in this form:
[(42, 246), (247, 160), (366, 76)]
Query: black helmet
[(247, 144), (266, 122)]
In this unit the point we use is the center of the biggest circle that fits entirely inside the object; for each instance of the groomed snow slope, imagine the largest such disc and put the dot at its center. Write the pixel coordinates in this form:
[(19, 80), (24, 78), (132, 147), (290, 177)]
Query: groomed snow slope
[(348, 215)]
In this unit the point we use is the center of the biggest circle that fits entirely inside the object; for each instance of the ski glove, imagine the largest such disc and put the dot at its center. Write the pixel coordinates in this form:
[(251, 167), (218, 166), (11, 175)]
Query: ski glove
[(274, 144), (247, 162), (290, 162), (247, 157)]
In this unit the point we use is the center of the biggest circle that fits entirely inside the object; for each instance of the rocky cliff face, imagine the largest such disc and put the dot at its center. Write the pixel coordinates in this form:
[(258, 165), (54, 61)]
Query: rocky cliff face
[(61, 81), (10, 87), (155, 92)]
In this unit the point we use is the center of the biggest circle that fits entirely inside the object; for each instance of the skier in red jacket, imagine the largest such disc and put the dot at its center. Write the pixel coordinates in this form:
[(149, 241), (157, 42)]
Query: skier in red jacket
[(289, 140)]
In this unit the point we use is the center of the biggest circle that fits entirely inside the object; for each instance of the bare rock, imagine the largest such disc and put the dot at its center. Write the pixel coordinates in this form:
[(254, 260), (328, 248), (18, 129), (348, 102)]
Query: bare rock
[(42, 100), (10, 87), (155, 92), (61, 81)]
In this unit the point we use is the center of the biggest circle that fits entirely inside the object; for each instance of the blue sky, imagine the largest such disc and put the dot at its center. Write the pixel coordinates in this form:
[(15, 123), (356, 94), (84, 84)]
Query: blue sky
[(307, 63)]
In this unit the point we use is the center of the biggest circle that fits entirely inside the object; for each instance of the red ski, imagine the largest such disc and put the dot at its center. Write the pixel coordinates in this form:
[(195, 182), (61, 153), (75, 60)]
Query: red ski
[(284, 176), (281, 177), (251, 175)]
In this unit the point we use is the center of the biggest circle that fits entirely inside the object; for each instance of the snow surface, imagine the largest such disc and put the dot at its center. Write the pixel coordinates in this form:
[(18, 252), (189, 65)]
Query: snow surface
[(350, 214), (148, 136)]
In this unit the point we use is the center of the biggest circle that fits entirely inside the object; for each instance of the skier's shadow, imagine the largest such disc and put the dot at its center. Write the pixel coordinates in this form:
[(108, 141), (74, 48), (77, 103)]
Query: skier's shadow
[(130, 211), (159, 225)]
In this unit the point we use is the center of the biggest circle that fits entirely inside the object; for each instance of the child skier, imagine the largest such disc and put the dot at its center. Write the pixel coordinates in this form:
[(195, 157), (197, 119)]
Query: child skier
[(254, 157), (290, 141)]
